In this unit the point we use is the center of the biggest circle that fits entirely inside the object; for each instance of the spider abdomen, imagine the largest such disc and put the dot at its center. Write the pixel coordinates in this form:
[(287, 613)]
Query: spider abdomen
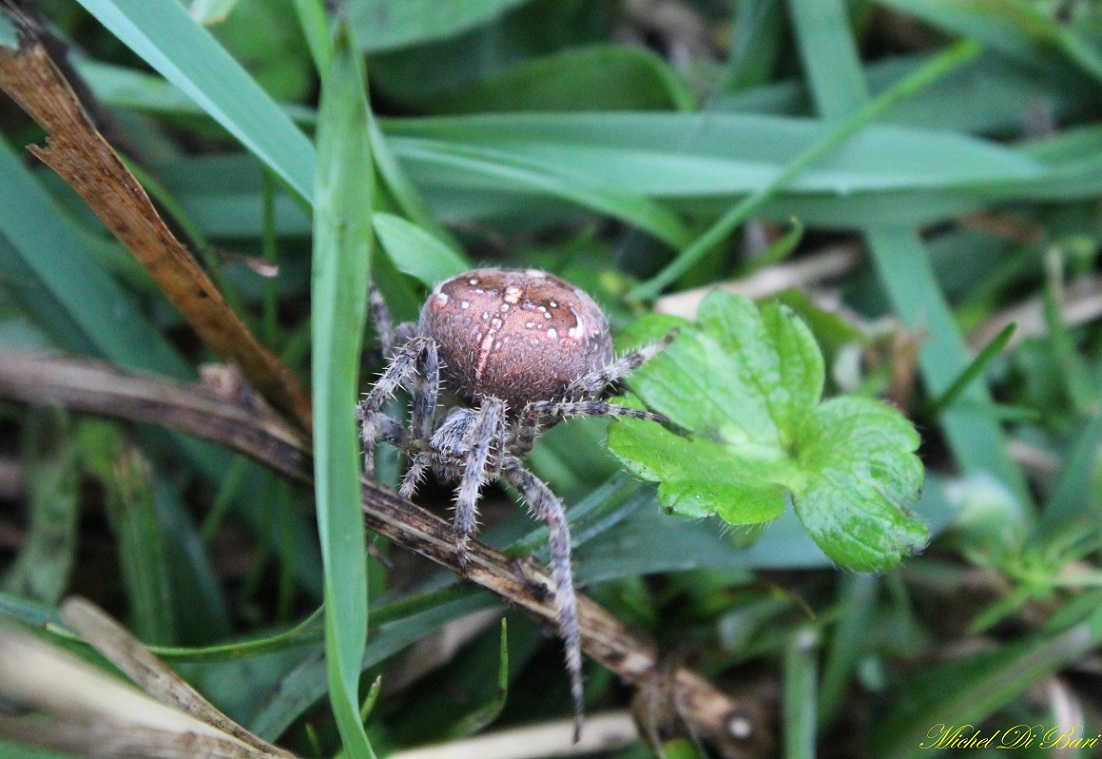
[(520, 335)]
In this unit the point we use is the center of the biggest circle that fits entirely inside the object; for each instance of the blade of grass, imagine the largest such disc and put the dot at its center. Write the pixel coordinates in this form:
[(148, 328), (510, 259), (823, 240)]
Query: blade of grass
[(296, 692), (937, 67), (65, 288), (1013, 27), (387, 24), (343, 243), (162, 34), (847, 643), (416, 252), (1066, 500), (972, 689), (974, 369), (904, 267), (488, 712), (800, 694), (315, 28), (141, 538), (521, 172), (41, 570), (756, 42)]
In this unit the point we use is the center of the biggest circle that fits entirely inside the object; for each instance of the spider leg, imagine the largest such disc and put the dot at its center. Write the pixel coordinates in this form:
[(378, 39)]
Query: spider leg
[(418, 464), (549, 509), (389, 336), (539, 415), (592, 384), (483, 431), (426, 392), (372, 424)]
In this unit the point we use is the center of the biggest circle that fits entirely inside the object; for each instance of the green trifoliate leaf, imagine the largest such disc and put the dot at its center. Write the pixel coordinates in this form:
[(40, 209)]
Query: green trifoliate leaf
[(747, 384)]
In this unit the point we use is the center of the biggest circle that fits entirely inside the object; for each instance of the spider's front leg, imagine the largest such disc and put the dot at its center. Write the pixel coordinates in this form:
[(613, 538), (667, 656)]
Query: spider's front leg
[(374, 424), (549, 509), (390, 337), (594, 383), (537, 416), (484, 431), (426, 393)]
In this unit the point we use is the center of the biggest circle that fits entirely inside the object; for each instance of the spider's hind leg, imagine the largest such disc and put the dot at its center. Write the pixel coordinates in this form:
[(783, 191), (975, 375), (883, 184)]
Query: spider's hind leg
[(549, 509)]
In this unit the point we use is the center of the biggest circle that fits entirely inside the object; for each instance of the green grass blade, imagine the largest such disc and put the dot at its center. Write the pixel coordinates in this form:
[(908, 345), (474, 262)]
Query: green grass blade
[(416, 252), (93, 311), (520, 172), (41, 570), (315, 27), (800, 694), (869, 112), (849, 640), (974, 369), (142, 542), (387, 24), (162, 34), (488, 712), (757, 38), (1020, 29), (298, 691), (343, 243), (970, 690), (1066, 501), (832, 66)]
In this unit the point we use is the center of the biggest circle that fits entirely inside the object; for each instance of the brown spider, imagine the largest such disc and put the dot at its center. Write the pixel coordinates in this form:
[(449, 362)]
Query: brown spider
[(520, 350)]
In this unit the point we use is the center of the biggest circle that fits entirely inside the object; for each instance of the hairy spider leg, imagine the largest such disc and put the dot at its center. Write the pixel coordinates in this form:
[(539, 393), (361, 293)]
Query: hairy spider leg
[(419, 463), (539, 415), (486, 427), (592, 384), (390, 337), (402, 367), (549, 509), (426, 393)]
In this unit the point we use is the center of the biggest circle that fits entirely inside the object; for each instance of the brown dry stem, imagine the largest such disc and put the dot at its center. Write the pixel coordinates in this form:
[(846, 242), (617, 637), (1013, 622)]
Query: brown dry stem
[(88, 164), (95, 714), (101, 389)]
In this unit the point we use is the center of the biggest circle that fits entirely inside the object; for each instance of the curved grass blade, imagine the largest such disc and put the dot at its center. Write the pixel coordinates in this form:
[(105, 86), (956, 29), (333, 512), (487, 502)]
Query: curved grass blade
[(416, 252), (488, 712), (343, 243), (499, 168)]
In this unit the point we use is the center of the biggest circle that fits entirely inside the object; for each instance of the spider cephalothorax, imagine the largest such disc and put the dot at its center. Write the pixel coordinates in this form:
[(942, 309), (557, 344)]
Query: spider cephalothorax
[(520, 350)]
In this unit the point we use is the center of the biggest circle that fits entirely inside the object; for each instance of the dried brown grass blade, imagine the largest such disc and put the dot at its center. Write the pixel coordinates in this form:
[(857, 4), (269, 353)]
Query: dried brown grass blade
[(126, 652), (88, 164), (76, 707)]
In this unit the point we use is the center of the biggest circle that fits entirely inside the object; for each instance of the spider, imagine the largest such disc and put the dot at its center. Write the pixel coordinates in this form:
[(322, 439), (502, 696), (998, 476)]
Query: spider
[(519, 350)]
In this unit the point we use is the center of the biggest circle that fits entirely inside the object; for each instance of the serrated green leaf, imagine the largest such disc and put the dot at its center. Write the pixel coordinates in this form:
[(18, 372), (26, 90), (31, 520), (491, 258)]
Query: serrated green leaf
[(747, 382)]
